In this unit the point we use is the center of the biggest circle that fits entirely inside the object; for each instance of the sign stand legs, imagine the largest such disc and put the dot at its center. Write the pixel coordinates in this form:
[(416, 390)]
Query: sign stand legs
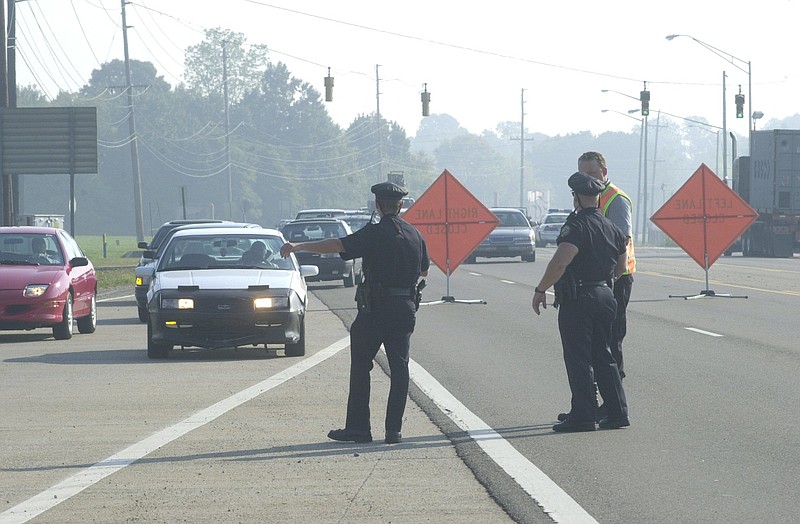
[(707, 292), (449, 299)]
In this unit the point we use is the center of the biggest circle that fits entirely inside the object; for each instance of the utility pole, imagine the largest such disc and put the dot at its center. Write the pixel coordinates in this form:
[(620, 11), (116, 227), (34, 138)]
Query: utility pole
[(644, 185), (8, 189), (724, 132), (522, 151), (655, 159), (227, 128), (11, 66), (137, 178), (379, 123)]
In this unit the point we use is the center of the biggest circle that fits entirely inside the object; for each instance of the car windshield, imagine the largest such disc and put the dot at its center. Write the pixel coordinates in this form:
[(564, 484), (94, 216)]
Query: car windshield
[(224, 251), (555, 219), (30, 249), (320, 213), (303, 232), (357, 222), (511, 219)]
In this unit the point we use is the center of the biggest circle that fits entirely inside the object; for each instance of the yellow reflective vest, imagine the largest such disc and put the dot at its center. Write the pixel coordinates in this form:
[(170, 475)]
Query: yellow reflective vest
[(606, 197)]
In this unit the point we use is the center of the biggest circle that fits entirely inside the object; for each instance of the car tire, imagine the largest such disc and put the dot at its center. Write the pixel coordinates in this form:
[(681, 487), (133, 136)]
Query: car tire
[(472, 259), (88, 324), (540, 243), (529, 258), (63, 330), (156, 350), (349, 280), (143, 314), (298, 349)]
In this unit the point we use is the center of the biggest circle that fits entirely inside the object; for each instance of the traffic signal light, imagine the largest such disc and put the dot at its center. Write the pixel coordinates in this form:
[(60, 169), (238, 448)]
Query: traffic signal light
[(740, 105), (426, 102), (644, 96), (329, 87)]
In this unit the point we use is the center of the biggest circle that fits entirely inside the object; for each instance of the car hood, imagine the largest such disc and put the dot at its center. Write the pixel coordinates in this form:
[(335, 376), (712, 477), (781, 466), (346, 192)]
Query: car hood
[(17, 277), (228, 278)]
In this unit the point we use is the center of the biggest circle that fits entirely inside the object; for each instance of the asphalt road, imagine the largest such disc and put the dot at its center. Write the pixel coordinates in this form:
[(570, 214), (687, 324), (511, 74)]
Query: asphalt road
[(711, 384)]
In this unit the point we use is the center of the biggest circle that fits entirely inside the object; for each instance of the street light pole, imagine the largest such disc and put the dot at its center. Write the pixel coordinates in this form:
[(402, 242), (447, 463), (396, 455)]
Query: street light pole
[(730, 58)]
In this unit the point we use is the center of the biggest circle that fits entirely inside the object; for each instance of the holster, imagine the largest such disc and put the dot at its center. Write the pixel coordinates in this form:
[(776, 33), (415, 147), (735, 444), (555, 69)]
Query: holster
[(566, 289), (418, 295), (365, 297)]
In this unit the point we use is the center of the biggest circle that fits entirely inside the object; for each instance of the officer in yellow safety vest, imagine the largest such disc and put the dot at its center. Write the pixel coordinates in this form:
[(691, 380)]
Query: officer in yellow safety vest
[(617, 207)]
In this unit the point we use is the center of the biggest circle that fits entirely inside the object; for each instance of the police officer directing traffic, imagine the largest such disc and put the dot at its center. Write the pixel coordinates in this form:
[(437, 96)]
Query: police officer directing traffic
[(394, 256), (591, 252)]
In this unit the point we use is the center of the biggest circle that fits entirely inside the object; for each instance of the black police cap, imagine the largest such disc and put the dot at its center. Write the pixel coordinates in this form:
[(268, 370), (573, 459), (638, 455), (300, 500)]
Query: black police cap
[(584, 184), (388, 191)]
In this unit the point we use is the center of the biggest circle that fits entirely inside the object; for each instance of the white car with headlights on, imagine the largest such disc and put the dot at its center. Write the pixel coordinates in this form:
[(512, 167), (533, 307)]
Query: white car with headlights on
[(226, 288)]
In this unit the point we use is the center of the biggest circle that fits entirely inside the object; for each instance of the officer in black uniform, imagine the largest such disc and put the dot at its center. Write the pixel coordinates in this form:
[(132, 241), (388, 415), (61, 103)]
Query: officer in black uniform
[(394, 256), (591, 252)]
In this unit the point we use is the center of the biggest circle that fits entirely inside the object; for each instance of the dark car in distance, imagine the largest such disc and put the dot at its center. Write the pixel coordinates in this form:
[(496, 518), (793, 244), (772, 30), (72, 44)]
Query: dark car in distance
[(331, 265)]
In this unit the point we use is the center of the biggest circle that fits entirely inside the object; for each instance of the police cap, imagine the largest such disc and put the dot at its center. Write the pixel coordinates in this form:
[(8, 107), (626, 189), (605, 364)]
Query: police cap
[(586, 185), (388, 191)]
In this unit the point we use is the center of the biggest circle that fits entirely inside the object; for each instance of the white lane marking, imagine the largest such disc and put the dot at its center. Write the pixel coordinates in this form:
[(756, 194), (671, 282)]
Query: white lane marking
[(547, 494), (112, 299), (474, 274), (73, 485), (703, 332), (507, 281)]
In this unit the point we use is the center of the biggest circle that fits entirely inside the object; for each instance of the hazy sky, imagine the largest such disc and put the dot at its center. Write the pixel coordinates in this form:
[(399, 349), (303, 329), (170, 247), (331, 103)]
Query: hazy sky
[(475, 57)]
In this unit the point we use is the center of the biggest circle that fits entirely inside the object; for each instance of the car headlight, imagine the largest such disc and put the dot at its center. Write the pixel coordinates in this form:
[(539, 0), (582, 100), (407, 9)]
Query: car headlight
[(35, 290), (139, 281), (271, 303), (177, 303)]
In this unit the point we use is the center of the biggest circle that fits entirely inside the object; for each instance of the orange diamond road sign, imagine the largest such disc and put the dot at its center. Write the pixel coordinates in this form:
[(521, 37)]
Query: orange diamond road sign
[(704, 216), (452, 221)]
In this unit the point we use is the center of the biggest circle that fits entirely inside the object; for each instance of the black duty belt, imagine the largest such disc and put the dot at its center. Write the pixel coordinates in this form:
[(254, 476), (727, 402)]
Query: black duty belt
[(592, 283), (396, 292)]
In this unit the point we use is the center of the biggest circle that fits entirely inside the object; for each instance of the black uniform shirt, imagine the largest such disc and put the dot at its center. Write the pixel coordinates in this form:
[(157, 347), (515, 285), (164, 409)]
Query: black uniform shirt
[(392, 250), (599, 243)]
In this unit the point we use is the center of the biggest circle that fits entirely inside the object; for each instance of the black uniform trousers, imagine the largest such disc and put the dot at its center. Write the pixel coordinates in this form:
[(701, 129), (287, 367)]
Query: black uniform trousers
[(390, 323), (585, 327), (622, 293)]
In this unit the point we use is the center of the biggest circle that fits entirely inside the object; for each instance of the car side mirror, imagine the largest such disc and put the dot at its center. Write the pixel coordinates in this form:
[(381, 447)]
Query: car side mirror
[(142, 245), (149, 254), (79, 261), (309, 271)]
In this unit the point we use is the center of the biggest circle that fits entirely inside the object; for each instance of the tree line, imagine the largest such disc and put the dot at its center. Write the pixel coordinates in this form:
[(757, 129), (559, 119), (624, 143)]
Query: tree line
[(282, 151)]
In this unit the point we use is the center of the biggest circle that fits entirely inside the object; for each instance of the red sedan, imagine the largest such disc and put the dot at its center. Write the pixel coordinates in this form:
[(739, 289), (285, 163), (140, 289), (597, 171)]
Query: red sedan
[(45, 281)]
